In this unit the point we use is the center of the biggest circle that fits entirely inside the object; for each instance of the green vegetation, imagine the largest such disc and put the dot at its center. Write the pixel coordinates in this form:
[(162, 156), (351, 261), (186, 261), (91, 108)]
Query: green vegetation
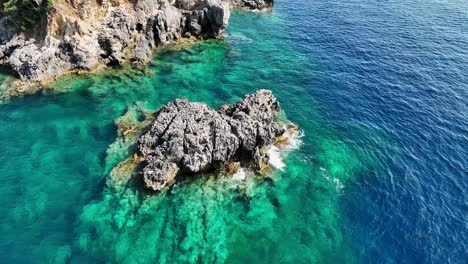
[(27, 11)]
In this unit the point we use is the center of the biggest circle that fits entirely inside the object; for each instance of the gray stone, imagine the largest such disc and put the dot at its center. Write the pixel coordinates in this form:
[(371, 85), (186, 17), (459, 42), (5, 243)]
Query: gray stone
[(105, 34), (253, 4), (189, 137), (84, 35)]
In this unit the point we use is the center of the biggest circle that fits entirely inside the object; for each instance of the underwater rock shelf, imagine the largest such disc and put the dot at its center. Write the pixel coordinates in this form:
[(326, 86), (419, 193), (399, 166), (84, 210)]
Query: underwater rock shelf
[(188, 138)]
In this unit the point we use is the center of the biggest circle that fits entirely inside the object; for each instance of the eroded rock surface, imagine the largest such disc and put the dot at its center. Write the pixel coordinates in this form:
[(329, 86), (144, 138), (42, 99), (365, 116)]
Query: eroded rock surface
[(86, 35), (260, 5), (188, 137), (83, 35)]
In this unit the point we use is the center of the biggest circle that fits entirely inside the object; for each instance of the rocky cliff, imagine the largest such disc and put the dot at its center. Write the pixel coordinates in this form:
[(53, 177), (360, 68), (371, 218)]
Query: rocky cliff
[(85, 35), (76, 35), (188, 138)]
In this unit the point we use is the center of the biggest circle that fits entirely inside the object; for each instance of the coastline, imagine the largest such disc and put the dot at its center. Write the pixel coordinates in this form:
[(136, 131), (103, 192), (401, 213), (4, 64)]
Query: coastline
[(14, 86)]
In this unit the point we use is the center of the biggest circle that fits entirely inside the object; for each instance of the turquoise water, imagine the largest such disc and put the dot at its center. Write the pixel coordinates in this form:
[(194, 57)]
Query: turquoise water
[(380, 172)]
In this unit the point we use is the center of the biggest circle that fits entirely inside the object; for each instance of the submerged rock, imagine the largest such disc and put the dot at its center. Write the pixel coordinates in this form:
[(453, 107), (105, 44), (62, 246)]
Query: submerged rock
[(187, 138)]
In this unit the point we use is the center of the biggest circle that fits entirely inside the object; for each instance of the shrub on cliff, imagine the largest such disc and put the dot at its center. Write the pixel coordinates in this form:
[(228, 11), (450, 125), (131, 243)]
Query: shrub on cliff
[(27, 12)]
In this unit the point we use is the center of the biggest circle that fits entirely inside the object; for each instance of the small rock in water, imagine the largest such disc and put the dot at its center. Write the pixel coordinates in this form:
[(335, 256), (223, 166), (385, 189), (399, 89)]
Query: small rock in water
[(187, 138)]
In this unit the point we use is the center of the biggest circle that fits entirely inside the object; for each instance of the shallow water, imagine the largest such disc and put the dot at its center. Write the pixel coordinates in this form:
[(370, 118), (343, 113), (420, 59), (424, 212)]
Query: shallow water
[(379, 90)]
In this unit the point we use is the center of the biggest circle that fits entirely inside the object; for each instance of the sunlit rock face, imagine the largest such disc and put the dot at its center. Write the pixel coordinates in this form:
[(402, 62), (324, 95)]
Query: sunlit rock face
[(83, 36), (187, 137), (260, 5)]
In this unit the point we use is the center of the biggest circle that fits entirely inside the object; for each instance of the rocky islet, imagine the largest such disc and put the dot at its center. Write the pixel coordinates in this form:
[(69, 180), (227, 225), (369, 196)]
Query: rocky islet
[(188, 138)]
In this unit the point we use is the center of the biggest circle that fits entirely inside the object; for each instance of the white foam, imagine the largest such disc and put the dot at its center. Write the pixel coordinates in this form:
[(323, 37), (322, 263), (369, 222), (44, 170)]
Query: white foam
[(338, 185), (294, 142), (324, 174), (294, 139), (239, 175), (276, 160)]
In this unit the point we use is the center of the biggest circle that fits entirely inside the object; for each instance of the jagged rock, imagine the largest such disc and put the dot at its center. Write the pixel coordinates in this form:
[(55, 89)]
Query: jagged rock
[(84, 35), (253, 4), (189, 137)]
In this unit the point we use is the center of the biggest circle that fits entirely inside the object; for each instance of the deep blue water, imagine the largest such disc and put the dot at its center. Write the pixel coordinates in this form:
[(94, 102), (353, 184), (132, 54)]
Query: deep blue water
[(379, 87), (400, 66)]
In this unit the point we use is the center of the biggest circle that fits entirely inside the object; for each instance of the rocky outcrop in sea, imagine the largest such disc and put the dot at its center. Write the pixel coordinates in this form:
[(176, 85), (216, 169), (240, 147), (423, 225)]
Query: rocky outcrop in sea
[(188, 138)]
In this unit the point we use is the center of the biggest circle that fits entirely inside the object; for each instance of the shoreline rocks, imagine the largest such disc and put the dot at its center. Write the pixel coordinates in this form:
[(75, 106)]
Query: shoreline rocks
[(260, 5), (85, 35), (77, 36), (187, 138)]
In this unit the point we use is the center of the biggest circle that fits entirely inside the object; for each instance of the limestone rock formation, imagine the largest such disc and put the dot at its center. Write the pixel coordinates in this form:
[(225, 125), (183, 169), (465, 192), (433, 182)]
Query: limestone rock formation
[(260, 5), (83, 35), (188, 138)]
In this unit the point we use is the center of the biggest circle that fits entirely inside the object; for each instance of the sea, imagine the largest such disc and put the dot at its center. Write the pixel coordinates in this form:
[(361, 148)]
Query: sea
[(379, 90)]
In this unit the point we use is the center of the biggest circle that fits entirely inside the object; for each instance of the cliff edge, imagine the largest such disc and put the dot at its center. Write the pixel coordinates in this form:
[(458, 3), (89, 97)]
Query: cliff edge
[(64, 36), (80, 35)]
